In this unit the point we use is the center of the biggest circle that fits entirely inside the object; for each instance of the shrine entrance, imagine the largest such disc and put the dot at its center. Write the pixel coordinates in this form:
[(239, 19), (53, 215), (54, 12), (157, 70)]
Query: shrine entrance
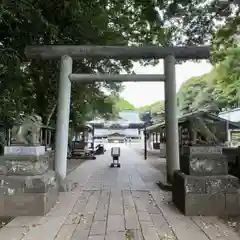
[(69, 53)]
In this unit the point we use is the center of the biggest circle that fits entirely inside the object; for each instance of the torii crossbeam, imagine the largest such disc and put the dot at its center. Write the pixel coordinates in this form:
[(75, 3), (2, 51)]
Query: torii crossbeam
[(68, 53)]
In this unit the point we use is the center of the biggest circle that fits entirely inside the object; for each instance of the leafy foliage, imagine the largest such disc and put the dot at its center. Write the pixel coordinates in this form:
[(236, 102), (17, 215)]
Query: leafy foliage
[(122, 104), (32, 85), (211, 92), (228, 81), (226, 39), (199, 22), (156, 109), (26, 22), (189, 22)]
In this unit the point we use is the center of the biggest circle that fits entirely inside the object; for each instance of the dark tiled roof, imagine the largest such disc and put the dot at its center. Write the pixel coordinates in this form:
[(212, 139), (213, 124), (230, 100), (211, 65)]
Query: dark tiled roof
[(202, 114)]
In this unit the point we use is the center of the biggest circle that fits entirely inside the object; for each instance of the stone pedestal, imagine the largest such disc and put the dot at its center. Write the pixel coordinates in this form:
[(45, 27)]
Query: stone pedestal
[(202, 186), (27, 195), (50, 158), (233, 156), (28, 186), (206, 195), (24, 160), (162, 150), (203, 160), (24, 150)]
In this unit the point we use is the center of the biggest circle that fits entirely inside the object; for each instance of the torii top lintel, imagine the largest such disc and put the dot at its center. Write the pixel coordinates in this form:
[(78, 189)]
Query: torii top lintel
[(115, 52)]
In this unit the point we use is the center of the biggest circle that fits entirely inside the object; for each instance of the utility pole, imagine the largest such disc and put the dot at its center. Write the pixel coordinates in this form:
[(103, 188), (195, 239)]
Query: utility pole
[(147, 119), (145, 142)]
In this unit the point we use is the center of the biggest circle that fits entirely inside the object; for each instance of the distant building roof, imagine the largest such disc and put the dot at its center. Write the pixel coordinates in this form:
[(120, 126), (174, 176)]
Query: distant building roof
[(107, 132), (125, 118), (192, 115), (232, 115), (130, 116)]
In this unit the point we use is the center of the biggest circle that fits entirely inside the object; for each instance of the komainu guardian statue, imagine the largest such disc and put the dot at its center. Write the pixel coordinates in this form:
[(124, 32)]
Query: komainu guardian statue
[(26, 130)]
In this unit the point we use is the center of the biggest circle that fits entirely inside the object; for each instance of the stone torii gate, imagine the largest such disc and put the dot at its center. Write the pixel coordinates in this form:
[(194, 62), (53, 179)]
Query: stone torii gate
[(69, 53)]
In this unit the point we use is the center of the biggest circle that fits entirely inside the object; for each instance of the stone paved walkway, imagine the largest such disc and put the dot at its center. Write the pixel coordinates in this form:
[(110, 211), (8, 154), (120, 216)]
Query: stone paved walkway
[(121, 204)]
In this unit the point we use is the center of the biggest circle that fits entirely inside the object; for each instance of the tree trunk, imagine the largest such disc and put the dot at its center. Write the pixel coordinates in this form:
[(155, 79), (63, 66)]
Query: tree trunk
[(51, 114)]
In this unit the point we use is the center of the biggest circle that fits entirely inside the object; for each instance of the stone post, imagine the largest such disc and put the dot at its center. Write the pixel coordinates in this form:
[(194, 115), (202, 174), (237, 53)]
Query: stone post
[(63, 112), (49, 138), (202, 186), (46, 137), (145, 143), (9, 137), (172, 138), (41, 136)]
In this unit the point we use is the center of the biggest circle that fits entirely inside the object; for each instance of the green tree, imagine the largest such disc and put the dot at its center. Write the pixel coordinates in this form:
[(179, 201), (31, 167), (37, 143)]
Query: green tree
[(188, 22), (31, 85), (228, 81), (188, 93), (66, 22), (122, 104), (226, 39), (155, 107), (205, 101)]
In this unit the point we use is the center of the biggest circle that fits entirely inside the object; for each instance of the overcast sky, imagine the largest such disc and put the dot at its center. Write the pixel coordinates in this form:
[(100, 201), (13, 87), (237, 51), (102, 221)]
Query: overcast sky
[(144, 93)]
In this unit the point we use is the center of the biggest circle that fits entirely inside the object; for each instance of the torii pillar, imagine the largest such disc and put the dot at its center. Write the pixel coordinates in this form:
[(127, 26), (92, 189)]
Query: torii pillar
[(171, 121), (63, 114)]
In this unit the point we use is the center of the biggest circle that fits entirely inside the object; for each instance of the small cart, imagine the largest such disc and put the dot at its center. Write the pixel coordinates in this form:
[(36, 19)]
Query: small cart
[(115, 153)]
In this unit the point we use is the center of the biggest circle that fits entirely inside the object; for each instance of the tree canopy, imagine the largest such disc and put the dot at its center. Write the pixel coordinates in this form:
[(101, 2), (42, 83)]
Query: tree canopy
[(219, 88), (26, 22), (122, 104), (28, 86), (213, 92)]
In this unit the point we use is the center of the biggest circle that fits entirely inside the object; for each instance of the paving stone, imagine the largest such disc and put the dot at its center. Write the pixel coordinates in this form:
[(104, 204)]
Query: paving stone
[(115, 236), (115, 223), (130, 214), (83, 228), (47, 228), (131, 220), (15, 233), (98, 228), (144, 216), (96, 237), (73, 219), (86, 222), (102, 207), (66, 232), (184, 228), (149, 231), (81, 203), (80, 234), (24, 221), (214, 228), (92, 203), (149, 202), (136, 235), (64, 205), (116, 202), (139, 203), (164, 230)]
